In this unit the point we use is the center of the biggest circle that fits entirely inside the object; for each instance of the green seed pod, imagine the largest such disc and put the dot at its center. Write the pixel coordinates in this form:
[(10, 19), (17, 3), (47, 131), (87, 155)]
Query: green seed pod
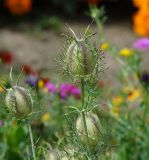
[(52, 155), (80, 59), (93, 128), (19, 101)]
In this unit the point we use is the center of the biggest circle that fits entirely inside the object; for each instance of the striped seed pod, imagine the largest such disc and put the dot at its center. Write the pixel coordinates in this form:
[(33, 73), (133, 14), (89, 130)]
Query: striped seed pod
[(80, 59), (94, 129), (19, 101)]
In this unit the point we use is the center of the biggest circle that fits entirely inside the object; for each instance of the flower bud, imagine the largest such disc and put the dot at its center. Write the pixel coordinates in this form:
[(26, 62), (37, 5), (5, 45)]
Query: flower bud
[(80, 59), (19, 101), (93, 128)]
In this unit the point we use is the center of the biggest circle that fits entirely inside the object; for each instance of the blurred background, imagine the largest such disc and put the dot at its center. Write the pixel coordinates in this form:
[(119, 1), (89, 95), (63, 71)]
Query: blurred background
[(31, 29), (32, 37)]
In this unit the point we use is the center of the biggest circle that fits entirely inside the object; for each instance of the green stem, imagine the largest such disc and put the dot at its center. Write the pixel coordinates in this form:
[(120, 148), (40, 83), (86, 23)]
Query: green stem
[(32, 142), (100, 28), (146, 103), (83, 113)]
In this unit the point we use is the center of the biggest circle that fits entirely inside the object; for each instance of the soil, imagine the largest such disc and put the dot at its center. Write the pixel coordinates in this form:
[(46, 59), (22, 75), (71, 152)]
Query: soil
[(41, 49)]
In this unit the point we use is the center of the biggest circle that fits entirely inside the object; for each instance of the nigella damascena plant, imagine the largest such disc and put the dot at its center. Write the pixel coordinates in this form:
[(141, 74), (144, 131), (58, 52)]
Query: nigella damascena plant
[(80, 57), (94, 129), (19, 101)]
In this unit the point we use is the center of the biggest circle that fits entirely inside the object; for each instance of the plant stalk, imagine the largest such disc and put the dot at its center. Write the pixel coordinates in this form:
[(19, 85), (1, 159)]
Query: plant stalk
[(146, 103), (32, 142), (83, 113)]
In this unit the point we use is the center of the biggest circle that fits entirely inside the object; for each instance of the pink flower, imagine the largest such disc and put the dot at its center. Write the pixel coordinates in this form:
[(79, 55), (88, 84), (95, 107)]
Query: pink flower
[(141, 44), (66, 90), (50, 86)]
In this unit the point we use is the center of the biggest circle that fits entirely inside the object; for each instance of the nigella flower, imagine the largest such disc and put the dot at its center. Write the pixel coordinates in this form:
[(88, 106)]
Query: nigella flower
[(141, 44), (66, 90), (32, 80), (50, 86)]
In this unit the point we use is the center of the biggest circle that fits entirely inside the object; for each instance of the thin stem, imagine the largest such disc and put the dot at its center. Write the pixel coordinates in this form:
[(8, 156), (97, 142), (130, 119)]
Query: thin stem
[(146, 103), (32, 142), (100, 29), (83, 113), (19, 76), (11, 76)]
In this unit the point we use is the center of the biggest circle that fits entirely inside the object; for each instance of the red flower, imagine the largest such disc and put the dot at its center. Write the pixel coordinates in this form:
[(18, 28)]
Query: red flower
[(28, 70), (6, 56), (18, 7), (93, 2), (45, 80)]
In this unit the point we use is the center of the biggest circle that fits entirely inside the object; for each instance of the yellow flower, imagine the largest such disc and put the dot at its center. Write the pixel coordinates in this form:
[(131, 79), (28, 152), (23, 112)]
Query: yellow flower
[(117, 101), (126, 52), (45, 117), (104, 46), (133, 95), (40, 84)]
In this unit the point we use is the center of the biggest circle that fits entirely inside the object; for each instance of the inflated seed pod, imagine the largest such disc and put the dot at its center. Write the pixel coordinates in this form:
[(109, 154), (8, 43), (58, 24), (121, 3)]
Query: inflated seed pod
[(52, 155), (19, 101), (80, 59), (94, 129)]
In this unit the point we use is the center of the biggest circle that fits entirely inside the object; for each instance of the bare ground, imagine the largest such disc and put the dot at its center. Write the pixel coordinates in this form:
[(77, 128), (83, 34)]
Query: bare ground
[(41, 50)]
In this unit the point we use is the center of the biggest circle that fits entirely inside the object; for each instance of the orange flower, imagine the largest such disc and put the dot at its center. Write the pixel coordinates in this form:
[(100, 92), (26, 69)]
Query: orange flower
[(18, 7), (141, 18), (141, 3), (134, 95), (141, 22)]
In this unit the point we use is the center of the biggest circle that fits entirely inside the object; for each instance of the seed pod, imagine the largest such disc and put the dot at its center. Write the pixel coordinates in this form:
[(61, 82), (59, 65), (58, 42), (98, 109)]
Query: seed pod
[(93, 128), (52, 155), (19, 101), (80, 59)]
